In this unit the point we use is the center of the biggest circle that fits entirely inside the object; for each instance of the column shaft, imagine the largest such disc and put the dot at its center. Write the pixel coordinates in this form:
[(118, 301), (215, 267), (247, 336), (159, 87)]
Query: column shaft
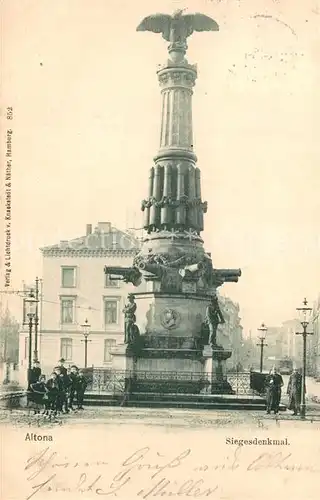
[(199, 211), (146, 215), (156, 194), (181, 208), (166, 210), (191, 198)]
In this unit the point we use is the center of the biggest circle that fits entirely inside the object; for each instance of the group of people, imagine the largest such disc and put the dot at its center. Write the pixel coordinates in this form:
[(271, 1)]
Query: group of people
[(274, 384), (64, 388)]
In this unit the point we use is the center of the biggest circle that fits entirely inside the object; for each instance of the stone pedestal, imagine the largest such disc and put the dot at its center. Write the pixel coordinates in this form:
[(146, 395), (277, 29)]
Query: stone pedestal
[(215, 368), (121, 359), (171, 314)]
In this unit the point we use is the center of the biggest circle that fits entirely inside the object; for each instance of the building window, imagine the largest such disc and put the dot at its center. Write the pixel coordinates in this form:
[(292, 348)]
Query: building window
[(66, 349), (111, 312), (68, 277), (67, 311), (109, 283), (108, 345)]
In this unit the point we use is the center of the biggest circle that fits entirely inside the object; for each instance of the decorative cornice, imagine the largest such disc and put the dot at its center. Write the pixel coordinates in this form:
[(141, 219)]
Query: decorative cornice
[(150, 353), (189, 296), (88, 252), (78, 332)]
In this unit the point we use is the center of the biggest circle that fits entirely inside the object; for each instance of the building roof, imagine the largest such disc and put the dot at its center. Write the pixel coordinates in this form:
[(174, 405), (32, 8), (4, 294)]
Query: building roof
[(105, 240)]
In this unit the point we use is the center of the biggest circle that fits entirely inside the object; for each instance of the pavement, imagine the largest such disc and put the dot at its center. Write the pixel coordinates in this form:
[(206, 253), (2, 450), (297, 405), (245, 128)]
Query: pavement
[(152, 417), (169, 417)]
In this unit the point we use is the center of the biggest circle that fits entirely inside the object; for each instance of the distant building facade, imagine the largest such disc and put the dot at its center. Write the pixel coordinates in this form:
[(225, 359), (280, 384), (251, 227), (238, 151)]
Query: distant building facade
[(75, 288), (314, 341), (230, 334), (283, 343)]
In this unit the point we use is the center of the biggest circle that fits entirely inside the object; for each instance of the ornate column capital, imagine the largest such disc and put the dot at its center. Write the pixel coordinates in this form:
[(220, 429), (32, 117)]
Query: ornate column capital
[(183, 76)]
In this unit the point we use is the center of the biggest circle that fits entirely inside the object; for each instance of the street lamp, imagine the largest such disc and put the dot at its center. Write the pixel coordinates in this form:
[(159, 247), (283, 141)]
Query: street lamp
[(263, 332), (31, 311), (86, 332), (36, 322), (304, 316)]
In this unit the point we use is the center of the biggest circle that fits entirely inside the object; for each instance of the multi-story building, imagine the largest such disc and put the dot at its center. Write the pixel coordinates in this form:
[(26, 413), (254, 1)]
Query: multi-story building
[(314, 341), (230, 334), (282, 342), (74, 289)]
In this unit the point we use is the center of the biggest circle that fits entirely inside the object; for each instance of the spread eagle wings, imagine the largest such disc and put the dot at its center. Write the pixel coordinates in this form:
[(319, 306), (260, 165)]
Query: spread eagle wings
[(157, 23), (161, 23), (199, 22)]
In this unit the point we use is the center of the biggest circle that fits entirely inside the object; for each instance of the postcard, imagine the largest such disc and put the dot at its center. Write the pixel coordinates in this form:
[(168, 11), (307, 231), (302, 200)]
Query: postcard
[(160, 297)]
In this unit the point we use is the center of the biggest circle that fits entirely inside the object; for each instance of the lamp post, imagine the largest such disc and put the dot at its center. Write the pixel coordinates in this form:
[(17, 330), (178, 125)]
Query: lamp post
[(263, 332), (36, 322), (86, 332), (304, 315), (31, 309)]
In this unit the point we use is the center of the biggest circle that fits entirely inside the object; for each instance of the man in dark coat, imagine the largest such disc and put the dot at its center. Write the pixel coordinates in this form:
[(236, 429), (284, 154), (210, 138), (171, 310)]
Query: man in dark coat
[(294, 391), (274, 382)]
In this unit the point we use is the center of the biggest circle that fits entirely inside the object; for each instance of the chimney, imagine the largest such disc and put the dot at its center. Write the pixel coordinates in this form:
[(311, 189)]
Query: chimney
[(88, 229), (104, 227)]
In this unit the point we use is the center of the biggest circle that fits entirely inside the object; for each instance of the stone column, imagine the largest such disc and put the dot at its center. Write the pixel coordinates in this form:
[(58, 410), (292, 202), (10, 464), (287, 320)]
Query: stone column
[(156, 194), (198, 196), (181, 208), (146, 218), (176, 84), (166, 210), (192, 210)]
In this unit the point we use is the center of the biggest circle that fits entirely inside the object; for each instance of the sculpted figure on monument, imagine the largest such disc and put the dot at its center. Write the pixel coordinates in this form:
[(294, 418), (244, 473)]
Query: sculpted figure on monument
[(213, 318), (178, 27), (131, 331)]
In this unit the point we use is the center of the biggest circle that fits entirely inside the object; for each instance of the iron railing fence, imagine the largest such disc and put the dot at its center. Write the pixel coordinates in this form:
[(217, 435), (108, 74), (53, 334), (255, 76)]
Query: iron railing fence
[(117, 382)]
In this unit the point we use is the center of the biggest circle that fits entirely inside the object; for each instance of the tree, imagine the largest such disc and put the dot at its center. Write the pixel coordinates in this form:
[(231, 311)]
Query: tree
[(9, 337)]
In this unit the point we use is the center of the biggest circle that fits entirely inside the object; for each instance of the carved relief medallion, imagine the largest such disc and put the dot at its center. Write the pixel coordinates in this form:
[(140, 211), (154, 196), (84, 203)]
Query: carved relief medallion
[(170, 319)]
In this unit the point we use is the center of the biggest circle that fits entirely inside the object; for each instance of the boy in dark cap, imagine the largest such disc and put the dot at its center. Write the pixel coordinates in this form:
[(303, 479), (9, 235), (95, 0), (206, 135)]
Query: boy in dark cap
[(52, 386), (81, 387), (63, 369), (60, 395), (64, 383)]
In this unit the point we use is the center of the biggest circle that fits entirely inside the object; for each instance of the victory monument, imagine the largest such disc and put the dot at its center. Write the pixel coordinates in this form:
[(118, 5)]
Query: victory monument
[(171, 326)]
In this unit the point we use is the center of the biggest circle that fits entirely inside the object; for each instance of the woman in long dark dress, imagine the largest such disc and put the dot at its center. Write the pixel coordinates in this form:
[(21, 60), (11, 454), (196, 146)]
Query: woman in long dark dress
[(274, 382)]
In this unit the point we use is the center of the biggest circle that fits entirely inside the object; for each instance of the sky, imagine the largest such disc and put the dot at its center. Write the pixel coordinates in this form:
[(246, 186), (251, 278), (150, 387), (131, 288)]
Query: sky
[(86, 119)]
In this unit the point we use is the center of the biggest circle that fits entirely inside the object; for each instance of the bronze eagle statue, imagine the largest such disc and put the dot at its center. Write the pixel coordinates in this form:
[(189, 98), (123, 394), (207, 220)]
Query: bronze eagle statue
[(179, 26)]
